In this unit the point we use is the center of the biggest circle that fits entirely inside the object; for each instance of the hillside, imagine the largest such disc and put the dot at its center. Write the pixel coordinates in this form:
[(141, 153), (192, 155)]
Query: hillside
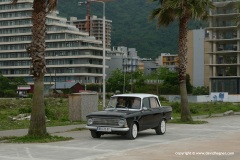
[(130, 25)]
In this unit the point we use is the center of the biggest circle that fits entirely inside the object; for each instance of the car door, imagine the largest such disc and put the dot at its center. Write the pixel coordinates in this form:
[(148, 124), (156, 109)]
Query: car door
[(156, 111), (147, 114)]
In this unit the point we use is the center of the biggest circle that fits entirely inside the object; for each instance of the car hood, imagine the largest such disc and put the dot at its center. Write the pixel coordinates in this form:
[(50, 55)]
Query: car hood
[(112, 113)]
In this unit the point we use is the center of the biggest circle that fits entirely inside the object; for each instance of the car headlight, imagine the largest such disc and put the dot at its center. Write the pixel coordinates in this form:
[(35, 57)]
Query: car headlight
[(121, 122), (90, 121)]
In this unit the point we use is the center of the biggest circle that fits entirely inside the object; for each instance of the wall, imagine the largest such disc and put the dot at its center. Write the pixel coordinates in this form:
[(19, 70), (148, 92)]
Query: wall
[(195, 56), (198, 58), (201, 98), (82, 104)]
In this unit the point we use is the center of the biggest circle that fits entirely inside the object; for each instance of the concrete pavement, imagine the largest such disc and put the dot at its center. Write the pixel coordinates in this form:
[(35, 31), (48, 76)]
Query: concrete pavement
[(216, 140)]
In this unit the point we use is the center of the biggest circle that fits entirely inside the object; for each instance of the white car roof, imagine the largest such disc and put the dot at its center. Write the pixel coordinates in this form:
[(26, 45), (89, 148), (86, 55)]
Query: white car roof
[(139, 95)]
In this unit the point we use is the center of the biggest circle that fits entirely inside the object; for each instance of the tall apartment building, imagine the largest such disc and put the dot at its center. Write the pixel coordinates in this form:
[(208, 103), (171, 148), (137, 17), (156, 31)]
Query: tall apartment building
[(224, 54), (96, 28), (70, 55)]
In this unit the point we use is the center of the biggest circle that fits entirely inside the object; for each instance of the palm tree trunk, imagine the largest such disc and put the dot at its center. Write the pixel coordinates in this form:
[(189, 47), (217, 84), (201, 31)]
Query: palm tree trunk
[(36, 51), (185, 111), (38, 121)]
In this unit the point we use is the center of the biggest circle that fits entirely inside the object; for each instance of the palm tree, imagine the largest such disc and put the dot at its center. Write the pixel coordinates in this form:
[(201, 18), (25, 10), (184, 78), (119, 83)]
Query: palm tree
[(181, 10), (36, 50)]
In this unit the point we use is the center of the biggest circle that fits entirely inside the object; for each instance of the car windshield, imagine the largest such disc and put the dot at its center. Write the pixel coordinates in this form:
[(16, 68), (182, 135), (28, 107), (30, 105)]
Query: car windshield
[(124, 103)]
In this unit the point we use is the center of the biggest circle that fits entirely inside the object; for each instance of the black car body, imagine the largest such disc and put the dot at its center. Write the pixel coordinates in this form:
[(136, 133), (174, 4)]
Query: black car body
[(128, 114)]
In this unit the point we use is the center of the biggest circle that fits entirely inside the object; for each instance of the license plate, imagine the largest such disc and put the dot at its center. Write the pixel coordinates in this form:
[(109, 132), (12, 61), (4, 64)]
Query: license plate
[(104, 129)]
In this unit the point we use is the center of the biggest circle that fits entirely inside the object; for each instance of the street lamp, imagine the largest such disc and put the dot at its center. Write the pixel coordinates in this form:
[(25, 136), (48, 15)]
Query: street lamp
[(55, 79), (104, 48), (124, 72)]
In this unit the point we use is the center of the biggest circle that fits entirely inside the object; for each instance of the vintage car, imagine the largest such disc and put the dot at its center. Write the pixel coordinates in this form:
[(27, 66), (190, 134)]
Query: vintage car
[(128, 114)]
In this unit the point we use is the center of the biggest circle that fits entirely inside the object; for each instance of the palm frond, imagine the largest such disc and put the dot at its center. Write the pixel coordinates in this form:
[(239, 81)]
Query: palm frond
[(51, 5), (154, 13), (159, 1), (200, 9)]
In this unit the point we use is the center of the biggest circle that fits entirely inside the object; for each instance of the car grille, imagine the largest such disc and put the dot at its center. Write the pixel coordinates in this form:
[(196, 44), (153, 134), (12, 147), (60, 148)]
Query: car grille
[(105, 121)]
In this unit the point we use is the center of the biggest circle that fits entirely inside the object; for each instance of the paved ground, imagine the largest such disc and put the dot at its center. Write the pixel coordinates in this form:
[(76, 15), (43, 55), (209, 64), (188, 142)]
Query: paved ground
[(217, 140)]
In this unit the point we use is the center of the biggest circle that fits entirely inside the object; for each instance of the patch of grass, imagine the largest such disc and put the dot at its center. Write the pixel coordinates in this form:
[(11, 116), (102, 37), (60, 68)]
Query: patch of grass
[(178, 121), (8, 124), (56, 110), (209, 108), (34, 139)]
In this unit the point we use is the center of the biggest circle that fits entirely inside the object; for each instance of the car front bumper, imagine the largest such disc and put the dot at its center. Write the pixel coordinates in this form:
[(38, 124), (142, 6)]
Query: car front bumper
[(113, 129)]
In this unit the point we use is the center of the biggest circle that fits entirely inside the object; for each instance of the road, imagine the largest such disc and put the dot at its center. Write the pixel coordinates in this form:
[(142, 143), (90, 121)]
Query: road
[(217, 140)]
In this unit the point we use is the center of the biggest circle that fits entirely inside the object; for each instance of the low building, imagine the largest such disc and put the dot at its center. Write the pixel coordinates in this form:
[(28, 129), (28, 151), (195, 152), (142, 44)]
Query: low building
[(66, 87), (24, 89), (168, 60)]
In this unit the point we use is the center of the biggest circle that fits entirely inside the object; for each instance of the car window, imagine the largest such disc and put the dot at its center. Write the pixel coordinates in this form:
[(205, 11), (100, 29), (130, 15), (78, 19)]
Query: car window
[(154, 102), (146, 102), (124, 102), (136, 103)]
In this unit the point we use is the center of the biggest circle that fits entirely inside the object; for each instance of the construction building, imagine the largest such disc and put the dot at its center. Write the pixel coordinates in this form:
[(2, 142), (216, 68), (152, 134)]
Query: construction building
[(224, 53), (96, 28)]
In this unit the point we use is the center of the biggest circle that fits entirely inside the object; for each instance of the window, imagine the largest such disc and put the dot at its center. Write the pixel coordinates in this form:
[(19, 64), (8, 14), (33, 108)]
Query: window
[(136, 103), (154, 102), (146, 103)]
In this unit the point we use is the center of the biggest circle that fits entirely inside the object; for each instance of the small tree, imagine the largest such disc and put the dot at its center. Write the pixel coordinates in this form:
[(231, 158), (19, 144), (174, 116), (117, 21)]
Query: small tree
[(116, 80), (8, 86)]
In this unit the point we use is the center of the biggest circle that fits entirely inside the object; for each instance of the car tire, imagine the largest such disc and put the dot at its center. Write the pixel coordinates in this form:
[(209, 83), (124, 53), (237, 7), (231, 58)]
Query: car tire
[(95, 134), (133, 131), (161, 128)]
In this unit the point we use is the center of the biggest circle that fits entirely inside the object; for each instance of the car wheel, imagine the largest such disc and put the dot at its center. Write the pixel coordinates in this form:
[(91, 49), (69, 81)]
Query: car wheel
[(95, 134), (161, 128), (133, 131)]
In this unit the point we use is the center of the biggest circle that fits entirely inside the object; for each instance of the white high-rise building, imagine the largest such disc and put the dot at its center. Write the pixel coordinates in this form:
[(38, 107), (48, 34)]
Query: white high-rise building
[(70, 55)]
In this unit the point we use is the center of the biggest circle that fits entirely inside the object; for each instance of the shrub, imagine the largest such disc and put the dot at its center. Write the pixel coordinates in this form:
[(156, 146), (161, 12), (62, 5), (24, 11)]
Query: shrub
[(200, 91), (24, 110), (194, 110), (10, 93), (30, 95), (162, 98), (176, 107)]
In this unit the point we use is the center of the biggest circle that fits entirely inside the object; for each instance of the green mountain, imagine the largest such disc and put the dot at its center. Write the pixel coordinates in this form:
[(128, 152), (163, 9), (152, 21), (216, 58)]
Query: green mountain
[(131, 26)]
